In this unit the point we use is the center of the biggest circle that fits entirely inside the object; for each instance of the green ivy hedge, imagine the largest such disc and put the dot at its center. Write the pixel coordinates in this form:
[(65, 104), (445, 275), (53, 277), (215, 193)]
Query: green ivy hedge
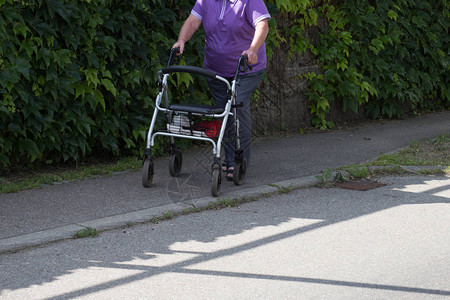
[(77, 78), (402, 52), (72, 80), (384, 56)]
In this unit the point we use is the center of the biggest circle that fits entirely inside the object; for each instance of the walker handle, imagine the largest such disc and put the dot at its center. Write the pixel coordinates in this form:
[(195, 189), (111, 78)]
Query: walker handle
[(173, 56), (244, 63)]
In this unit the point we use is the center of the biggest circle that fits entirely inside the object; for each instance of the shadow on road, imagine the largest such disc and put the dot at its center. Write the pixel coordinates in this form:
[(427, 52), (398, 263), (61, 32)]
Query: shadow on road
[(186, 244)]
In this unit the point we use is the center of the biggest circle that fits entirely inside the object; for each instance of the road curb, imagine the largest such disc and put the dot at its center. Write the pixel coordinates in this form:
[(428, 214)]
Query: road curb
[(21, 242), (56, 234)]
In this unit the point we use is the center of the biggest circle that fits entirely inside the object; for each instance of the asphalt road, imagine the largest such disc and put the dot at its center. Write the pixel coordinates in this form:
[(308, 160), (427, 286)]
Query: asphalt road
[(387, 243)]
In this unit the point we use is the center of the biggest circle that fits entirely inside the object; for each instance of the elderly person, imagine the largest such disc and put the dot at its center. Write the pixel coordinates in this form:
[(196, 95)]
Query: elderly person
[(232, 28)]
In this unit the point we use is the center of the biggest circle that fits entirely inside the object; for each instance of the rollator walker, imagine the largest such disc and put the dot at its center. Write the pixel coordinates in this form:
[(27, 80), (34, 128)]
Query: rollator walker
[(180, 125)]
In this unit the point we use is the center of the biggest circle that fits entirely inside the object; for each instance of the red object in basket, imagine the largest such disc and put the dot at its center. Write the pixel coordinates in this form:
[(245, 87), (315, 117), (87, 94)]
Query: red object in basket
[(211, 128)]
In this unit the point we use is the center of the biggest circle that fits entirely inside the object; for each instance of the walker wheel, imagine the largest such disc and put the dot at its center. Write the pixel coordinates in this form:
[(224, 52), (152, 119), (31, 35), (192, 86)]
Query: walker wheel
[(147, 172), (175, 163), (216, 180), (239, 172)]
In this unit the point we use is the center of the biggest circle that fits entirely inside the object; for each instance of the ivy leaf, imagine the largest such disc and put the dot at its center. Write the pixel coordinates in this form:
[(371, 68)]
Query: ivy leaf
[(419, 21), (29, 47), (323, 104), (332, 76), (365, 86), (185, 78), (80, 89), (46, 55), (23, 66), (109, 86), (44, 29), (107, 73), (343, 65), (63, 57), (129, 143), (109, 41), (20, 28), (376, 45), (392, 15), (318, 86), (27, 145), (99, 97), (346, 37), (313, 16), (92, 77), (11, 14)]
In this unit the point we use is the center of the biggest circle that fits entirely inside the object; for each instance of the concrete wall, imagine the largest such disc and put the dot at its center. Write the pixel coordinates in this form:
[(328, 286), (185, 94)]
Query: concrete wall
[(282, 102)]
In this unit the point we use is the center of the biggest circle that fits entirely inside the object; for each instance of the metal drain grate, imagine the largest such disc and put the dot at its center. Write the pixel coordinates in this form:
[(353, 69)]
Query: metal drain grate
[(360, 185)]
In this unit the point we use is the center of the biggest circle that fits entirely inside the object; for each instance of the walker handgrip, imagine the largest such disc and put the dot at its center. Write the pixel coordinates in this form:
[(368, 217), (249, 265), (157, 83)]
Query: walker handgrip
[(173, 57), (189, 69), (244, 62), (176, 50)]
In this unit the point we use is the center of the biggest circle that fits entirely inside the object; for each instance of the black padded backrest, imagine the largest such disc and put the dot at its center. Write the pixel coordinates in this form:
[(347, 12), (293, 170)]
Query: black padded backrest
[(189, 69)]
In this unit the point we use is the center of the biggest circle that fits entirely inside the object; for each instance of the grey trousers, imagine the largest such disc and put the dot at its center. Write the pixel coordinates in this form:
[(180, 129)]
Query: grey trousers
[(248, 84)]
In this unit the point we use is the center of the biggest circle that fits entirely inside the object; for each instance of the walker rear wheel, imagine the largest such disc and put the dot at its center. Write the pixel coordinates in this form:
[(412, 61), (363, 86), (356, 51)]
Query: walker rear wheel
[(216, 180), (239, 172)]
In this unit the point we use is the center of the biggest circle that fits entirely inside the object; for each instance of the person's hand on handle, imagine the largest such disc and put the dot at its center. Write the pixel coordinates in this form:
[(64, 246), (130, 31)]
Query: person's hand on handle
[(252, 56), (179, 44)]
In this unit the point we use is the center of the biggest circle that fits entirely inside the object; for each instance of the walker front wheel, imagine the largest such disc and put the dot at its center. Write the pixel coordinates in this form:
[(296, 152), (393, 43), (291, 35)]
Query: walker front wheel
[(175, 163), (147, 172)]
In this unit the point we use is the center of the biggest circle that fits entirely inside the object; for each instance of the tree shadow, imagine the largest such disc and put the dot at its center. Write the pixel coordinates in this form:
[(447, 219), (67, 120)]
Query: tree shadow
[(150, 250)]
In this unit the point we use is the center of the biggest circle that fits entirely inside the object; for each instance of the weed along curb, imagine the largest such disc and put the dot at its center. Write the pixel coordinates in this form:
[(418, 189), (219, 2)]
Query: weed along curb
[(156, 214), (329, 178), (86, 232)]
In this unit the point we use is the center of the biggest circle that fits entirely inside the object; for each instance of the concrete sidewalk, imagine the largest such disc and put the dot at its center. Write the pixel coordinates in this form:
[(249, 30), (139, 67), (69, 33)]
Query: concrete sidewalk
[(56, 212)]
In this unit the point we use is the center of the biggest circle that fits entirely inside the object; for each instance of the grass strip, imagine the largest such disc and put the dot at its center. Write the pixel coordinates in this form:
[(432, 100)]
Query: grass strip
[(29, 179), (430, 152)]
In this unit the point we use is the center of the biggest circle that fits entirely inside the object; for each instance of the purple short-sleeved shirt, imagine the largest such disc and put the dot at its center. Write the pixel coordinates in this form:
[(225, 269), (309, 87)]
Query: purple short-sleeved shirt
[(229, 29)]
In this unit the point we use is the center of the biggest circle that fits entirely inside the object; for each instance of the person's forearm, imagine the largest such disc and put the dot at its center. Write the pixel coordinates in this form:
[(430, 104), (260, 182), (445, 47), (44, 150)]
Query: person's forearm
[(261, 32), (187, 30)]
